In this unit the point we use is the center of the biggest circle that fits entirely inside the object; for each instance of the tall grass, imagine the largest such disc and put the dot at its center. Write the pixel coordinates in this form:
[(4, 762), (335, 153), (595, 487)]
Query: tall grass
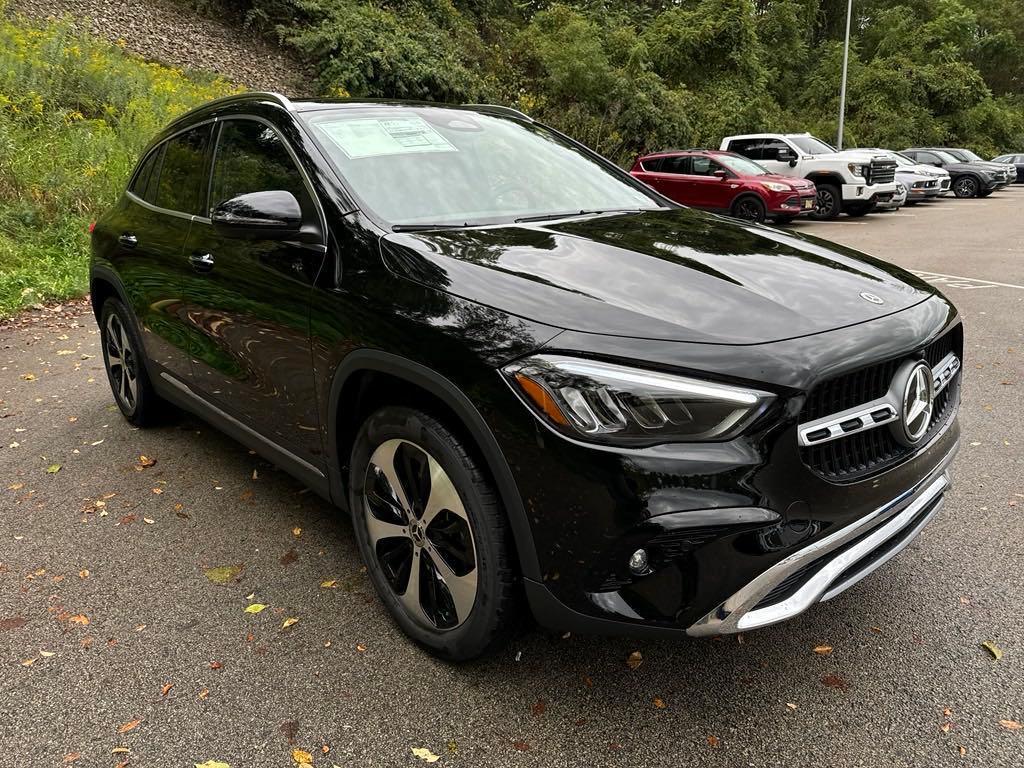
[(74, 114)]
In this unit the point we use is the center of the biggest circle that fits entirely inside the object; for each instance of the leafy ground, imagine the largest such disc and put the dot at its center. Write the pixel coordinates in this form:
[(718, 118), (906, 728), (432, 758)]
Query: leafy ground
[(74, 114)]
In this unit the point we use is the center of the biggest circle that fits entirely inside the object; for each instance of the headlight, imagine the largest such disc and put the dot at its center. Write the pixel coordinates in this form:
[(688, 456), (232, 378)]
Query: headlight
[(607, 403), (858, 170), (775, 186)]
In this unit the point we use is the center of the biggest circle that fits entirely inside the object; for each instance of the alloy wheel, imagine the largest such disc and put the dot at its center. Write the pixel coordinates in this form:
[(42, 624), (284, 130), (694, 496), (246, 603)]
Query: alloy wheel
[(122, 363), (965, 187), (824, 203), (419, 532), (749, 210)]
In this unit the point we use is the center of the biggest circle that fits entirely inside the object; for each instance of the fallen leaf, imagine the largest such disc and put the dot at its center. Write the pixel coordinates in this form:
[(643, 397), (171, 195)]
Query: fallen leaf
[(80, 618), (255, 608), (290, 729), (331, 584), (360, 647), (204, 693), (539, 707), (453, 747), (945, 727), (145, 461), (46, 654), (995, 650), (14, 622), (28, 662), (713, 741), (521, 746), (70, 757), (130, 725), (215, 665), (158, 491), (148, 520), (659, 703), (223, 574), (823, 650), (289, 622), (289, 557), (212, 764), (302, 757), (53, 469), (424, 754), (634, 660), (84, 573), (835, 681), (166, 688), (28, 376), (15, 486), (791, 705), (1010, 725), (963, 751), (297, 531), (127, 520)]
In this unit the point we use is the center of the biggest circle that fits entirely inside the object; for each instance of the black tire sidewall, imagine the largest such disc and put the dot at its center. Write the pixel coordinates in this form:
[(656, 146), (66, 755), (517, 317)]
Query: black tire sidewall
[(756, 201), (472, 637), (837, 203), (956, 187)]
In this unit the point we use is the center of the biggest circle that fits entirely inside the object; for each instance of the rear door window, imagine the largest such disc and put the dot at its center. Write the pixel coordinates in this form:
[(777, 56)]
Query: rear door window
[(652, 165), (702, 166), (678, 164), (747, 147), (182, 184)]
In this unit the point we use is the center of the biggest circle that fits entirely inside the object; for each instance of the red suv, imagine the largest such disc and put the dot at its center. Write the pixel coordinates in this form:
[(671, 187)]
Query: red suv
[(725, 182)]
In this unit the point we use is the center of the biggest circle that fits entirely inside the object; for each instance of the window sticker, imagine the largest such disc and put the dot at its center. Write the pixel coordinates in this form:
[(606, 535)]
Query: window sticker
[(372, 138)]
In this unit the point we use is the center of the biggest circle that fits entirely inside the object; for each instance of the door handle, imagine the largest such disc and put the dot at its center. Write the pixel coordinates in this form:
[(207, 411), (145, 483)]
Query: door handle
[(201, 262), (128, 240)]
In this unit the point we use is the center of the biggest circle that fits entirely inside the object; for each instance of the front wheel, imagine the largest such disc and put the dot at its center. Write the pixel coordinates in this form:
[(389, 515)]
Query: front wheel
[(829, 203), (433, 534), (965, 186), (750, 208)]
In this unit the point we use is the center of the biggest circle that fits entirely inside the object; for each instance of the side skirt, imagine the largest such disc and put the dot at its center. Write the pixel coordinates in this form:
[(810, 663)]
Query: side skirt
[(179, 393)]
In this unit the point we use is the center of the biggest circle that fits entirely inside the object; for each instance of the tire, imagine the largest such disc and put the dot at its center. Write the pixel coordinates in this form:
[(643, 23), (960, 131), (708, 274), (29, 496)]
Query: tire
[(123, 357), (966, 186), (749, 208), (467, 542), (856, 211), (829, 204)]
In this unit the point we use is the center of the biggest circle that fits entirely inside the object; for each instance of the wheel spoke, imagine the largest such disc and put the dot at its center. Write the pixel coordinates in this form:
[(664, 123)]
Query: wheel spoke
[(443, 495), (384, 459), (377, 529), (461, 588)]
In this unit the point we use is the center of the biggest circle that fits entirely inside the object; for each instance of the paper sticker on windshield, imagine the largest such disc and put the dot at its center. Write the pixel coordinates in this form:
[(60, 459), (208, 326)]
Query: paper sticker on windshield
[(399, 136)]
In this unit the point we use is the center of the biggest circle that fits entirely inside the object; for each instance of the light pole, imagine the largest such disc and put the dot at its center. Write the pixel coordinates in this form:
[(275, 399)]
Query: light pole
[(842, 87)]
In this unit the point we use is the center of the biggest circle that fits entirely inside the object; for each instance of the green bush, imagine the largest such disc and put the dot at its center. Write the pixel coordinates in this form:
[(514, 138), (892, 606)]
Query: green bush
[(74, 115)]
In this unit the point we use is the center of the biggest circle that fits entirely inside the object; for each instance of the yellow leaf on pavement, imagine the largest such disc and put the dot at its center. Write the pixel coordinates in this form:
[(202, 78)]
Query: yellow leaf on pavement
[(823, 650), (635, 660), (288, 622), (223, 574), (301, 757), (212, 764), (297, 531), (255, 608), (995, 650), (330, 584), (424, 754), (1010, 725), (53, 469)]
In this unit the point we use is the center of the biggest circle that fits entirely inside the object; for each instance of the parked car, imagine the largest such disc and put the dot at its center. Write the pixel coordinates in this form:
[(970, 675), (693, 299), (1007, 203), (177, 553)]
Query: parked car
[(922, 182), (897, 201), (1017, 161), (850, 181), (725, 182), (526, 375), (969, 179), (967, 156)]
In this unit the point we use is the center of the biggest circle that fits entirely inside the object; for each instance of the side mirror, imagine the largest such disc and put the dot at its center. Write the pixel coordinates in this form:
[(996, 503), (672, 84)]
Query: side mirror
[(786, 156), (720, 174), (259, 215)]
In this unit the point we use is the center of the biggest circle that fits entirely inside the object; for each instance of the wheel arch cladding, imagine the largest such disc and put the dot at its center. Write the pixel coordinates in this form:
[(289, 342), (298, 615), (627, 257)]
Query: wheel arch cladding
[(363, 381), (826, 178), (103, 286)]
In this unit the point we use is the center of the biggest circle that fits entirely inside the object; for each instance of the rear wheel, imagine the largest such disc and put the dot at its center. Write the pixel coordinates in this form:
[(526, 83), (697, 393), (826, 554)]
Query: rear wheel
[(829, 203), (433, 534), (966, 186), (126, 371), (749, 208)]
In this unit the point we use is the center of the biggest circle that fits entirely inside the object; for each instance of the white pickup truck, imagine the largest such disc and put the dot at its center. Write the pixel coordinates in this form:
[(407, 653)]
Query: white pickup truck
[(851, 181)]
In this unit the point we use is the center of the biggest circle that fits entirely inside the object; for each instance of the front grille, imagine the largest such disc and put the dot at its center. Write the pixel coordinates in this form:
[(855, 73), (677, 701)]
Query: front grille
[(859, 455), (881, 172)]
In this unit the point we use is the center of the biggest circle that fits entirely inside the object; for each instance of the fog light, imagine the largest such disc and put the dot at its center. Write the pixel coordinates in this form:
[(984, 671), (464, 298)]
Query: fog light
[(638, 562)]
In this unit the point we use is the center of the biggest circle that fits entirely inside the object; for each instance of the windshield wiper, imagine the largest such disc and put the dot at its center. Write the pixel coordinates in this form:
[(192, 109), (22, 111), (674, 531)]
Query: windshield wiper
[(425, 227), (570, 214)]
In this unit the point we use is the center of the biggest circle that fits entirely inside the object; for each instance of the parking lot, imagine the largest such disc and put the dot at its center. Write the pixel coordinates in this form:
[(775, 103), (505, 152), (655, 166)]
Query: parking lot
[(127, 559)]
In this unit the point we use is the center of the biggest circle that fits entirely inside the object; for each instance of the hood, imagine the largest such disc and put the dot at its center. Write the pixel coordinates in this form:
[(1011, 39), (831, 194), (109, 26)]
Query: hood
[(852, 156), (924, 170), (795, 183), (988, 168), (679, 275), (910, 175)]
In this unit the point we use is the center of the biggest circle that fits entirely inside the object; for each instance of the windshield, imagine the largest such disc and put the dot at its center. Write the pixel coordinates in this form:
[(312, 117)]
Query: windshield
[(945, 157), (969, 156), (741, 165), (432, 165), (811, 145)]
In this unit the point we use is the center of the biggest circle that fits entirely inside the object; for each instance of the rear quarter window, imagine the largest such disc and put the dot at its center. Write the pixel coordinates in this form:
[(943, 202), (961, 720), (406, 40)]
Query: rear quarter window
[(182, 183)]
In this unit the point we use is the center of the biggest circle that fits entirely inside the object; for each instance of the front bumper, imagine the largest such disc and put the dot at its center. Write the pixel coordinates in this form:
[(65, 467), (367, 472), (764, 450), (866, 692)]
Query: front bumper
[(868, 193), (724, 523)]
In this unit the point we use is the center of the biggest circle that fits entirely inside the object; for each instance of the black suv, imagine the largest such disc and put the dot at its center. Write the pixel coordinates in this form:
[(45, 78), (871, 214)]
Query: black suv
[(526, 375), (970, 178)]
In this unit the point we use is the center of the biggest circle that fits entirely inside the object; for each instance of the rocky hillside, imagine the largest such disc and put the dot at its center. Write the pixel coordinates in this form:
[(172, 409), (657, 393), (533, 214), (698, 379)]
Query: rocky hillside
[(165, 31)]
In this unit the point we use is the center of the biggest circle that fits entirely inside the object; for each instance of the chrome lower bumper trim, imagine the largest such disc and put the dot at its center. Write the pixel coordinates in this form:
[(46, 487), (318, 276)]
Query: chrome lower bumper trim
[(740, 612)]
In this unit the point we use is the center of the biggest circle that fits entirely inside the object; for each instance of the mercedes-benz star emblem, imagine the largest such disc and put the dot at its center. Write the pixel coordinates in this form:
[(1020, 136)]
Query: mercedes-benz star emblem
[(916, 404), (872, 298)]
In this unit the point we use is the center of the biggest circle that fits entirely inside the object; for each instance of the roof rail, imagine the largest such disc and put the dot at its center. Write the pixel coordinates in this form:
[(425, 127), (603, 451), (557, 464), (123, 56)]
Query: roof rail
[(269, 95), (674, 149), (501, 110)]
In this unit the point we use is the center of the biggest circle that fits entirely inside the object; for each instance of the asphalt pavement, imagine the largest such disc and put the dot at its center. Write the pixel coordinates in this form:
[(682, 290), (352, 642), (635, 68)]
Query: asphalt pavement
[(119, 647)]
